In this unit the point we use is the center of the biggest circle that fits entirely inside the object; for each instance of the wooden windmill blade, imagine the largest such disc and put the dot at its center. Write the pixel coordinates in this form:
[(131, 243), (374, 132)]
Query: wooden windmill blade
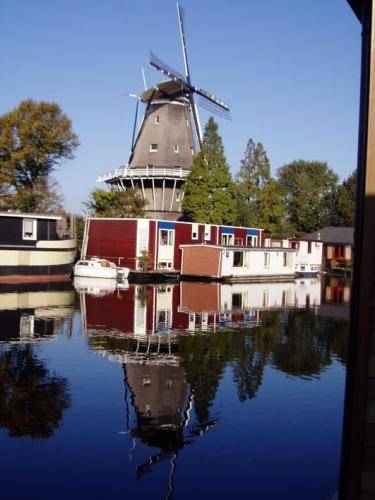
[(193, 105), (207, 100)]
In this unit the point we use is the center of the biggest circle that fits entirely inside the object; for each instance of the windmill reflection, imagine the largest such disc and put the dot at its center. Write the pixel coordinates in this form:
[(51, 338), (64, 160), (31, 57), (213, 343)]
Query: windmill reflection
[(176, 342)]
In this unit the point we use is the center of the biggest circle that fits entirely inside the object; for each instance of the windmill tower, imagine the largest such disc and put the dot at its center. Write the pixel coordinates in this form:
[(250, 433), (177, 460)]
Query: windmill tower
[(169, 135)]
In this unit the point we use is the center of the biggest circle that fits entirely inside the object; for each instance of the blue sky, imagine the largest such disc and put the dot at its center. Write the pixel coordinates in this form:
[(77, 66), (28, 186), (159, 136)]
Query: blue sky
[(289, 69)]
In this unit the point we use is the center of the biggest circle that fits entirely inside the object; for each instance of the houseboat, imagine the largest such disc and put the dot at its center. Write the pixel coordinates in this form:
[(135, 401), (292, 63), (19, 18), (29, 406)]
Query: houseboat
[(229, 263), (35, 247), (155, 248), (155, 245)]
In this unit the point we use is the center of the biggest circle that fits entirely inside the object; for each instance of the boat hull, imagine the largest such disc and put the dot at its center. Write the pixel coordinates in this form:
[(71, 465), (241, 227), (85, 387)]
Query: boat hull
[(98, 273)]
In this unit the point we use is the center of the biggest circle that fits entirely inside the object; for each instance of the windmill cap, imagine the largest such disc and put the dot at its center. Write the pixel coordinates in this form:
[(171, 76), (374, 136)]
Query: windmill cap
[(163, 90)]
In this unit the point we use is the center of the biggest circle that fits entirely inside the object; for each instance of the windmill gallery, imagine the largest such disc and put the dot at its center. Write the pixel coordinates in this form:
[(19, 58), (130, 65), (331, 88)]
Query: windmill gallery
[(160, 161)]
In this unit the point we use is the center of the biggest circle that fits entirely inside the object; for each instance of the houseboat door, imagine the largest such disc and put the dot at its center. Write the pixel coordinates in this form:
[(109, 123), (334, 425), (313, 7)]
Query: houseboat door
[(166, 239)]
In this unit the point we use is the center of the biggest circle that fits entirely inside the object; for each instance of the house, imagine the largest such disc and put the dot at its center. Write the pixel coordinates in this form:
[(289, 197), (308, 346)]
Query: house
[(231, 263), (35, 245), (338, 245), (156, 244)]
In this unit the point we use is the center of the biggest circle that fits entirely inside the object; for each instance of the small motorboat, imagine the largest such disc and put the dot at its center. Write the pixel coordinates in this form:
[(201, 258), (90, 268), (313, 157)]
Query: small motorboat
[(100, 268)]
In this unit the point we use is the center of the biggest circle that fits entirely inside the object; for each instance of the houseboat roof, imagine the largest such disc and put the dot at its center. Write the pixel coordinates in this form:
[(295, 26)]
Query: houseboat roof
[(175, 222), (30, 215), (238, 248), (332, 234)]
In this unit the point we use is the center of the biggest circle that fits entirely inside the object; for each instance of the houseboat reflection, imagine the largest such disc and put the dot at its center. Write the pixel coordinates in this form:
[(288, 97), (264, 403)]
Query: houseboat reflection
[(32, 398), (35, 312), (142, 310)]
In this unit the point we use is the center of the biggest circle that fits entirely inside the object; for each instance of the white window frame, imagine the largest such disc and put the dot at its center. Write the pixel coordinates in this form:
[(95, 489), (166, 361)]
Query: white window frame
[(152, 149), (207, 232), (195, 231), (32, 236), (176, 148), (227, 239), (170, 237)]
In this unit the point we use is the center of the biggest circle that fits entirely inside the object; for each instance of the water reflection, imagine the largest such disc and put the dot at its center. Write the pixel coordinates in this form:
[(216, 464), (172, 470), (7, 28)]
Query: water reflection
[(225, 385), (32, 398), (175, 343)]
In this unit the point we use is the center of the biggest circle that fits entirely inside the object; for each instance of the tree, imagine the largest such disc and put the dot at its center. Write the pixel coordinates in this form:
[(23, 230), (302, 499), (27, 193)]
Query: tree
[(209, 190), (259, 198), (35, 138), (345, 198), (104, 203), (308, 189)]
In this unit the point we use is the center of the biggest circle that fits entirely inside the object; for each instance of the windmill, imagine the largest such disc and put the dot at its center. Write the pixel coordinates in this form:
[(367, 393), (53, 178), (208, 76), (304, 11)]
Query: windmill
[(206, 99), (170, 133)]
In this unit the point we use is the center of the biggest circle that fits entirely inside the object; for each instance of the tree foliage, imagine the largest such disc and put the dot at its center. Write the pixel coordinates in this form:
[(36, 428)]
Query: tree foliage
[(345, 199), (104, 203), (209, 190), (309, 189), (259, 198), (35, 138)]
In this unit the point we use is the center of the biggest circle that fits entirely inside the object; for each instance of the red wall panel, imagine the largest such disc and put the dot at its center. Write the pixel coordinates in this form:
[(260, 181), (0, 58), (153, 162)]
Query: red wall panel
[(115, 240), (180, 320), (114, 311)]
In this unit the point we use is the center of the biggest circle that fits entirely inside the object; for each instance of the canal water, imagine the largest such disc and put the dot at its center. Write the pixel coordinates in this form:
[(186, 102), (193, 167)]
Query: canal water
[(172, 391)]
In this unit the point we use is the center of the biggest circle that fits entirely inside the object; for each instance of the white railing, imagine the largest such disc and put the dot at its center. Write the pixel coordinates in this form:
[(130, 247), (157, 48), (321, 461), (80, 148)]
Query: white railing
[(126, 172)]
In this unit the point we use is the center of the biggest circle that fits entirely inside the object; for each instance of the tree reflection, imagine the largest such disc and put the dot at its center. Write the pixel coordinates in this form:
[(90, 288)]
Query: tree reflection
[(32, 400), (309, 343)]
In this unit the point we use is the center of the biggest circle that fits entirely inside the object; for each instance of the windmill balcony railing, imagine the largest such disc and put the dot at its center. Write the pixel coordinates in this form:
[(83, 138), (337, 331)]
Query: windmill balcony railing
[(133, 173)]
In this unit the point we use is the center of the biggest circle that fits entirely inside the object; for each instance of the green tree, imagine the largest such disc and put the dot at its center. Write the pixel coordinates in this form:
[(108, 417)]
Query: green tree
[(344, 209), (35, 138), (309, 189), (259, 197), (209, 189), (104, 203)]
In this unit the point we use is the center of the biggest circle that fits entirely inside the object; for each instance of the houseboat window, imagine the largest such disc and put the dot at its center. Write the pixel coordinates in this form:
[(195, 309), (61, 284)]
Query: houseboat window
[(285, 259), (309, 247), (227, 239), (29, 229), (176, 148), (294, 245), (166, 237), (238, 242), (237, 301), (237, 259), (163, 320), (207, 232), (157, 120), (153, 148), (194, 231), (266, 259), (251, 241)]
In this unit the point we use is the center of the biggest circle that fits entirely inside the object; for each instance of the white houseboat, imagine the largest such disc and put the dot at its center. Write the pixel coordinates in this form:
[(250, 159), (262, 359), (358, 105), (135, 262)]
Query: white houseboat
[(34, 246)]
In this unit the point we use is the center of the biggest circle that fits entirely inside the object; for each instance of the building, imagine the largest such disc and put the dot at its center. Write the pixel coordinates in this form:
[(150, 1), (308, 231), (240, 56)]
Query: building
[(162, 153), (169, 135), (35, 245), (338, 245), (154, 245)]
